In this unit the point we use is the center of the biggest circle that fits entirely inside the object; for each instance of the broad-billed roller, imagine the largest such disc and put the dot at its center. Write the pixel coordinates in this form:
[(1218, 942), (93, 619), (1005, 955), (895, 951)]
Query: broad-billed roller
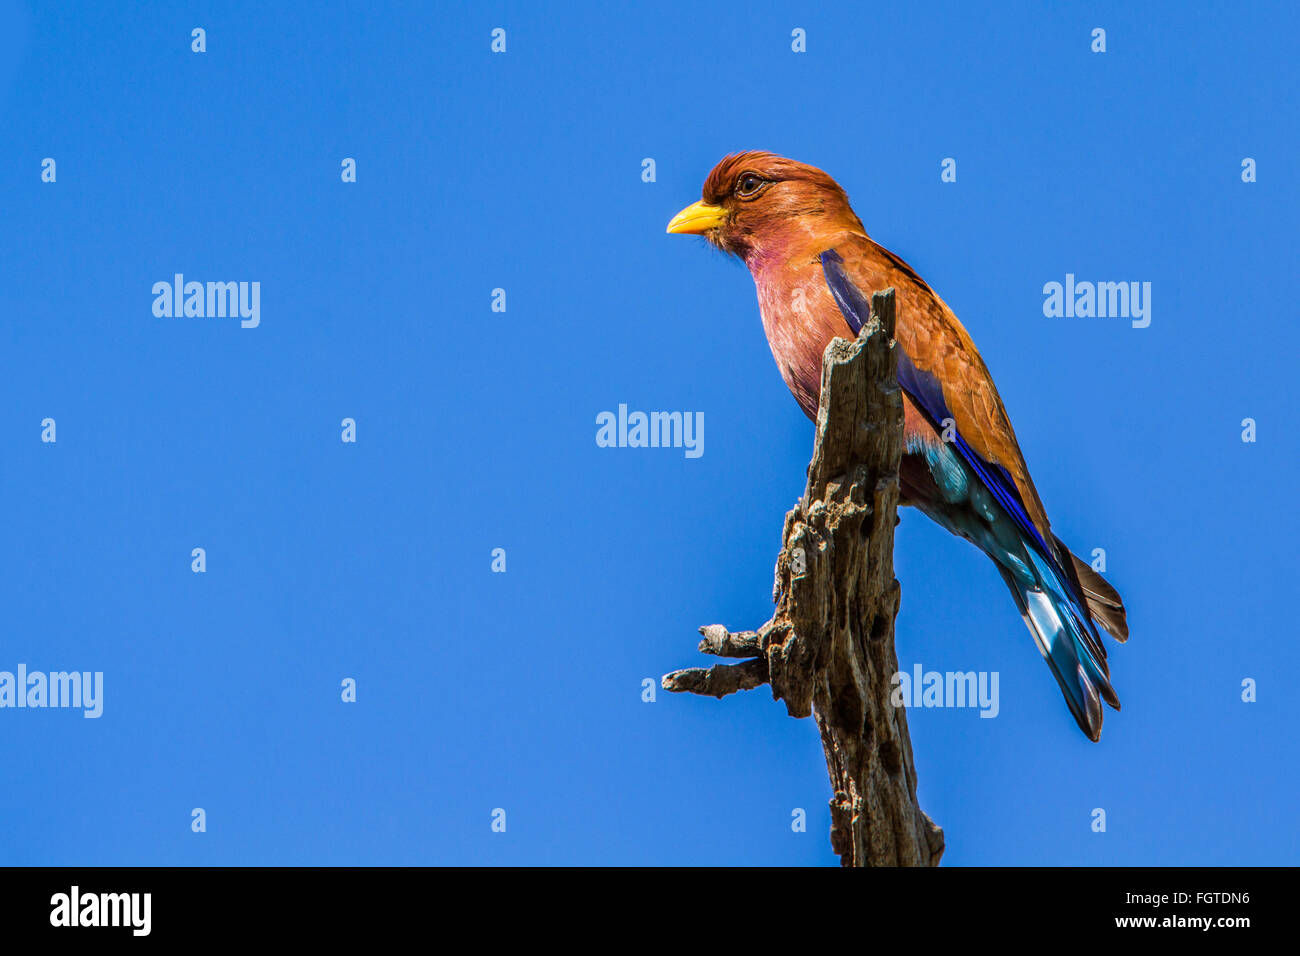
[(815, 268)]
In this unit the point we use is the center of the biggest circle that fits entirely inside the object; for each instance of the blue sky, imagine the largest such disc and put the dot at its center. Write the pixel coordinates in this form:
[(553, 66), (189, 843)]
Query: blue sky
[(476, 429)]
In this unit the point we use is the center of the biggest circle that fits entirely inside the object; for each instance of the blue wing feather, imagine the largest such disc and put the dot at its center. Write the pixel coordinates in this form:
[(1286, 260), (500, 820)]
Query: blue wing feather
[(927, 392)]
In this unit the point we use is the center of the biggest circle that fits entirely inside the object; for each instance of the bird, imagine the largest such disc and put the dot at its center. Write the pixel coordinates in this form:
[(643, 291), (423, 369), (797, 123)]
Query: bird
[(815, 269)]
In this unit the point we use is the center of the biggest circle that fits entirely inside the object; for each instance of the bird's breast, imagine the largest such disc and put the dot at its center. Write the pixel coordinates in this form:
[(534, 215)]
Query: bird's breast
[(799, 318)]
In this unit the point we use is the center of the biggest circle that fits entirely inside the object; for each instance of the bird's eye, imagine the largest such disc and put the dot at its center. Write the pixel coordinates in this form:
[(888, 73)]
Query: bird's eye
[(749, 184)]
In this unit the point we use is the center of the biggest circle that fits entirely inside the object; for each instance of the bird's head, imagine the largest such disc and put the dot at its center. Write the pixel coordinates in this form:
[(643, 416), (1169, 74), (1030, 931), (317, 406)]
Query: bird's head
[(758, 204)]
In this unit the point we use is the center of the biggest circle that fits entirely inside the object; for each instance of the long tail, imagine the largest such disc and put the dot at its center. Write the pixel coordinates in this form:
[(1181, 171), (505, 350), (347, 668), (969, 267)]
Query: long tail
[(1060, 597), (1065, 635)]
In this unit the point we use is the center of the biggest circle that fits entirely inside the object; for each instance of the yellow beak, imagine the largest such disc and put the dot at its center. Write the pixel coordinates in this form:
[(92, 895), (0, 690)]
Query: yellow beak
[(697, 218)]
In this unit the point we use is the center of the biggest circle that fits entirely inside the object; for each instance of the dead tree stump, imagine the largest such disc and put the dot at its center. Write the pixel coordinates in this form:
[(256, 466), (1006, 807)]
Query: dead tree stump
[(829, 648)]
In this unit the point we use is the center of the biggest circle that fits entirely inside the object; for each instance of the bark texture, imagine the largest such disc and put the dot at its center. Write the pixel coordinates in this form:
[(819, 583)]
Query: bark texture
[(828, 650)]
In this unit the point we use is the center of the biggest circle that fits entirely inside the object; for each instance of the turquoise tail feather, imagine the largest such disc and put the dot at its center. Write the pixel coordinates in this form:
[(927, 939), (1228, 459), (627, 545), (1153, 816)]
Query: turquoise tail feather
[(1067, 641), (1053, 603)]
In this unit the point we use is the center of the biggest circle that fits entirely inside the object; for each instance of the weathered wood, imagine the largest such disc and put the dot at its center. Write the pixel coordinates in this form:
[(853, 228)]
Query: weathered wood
[(828, 650)]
